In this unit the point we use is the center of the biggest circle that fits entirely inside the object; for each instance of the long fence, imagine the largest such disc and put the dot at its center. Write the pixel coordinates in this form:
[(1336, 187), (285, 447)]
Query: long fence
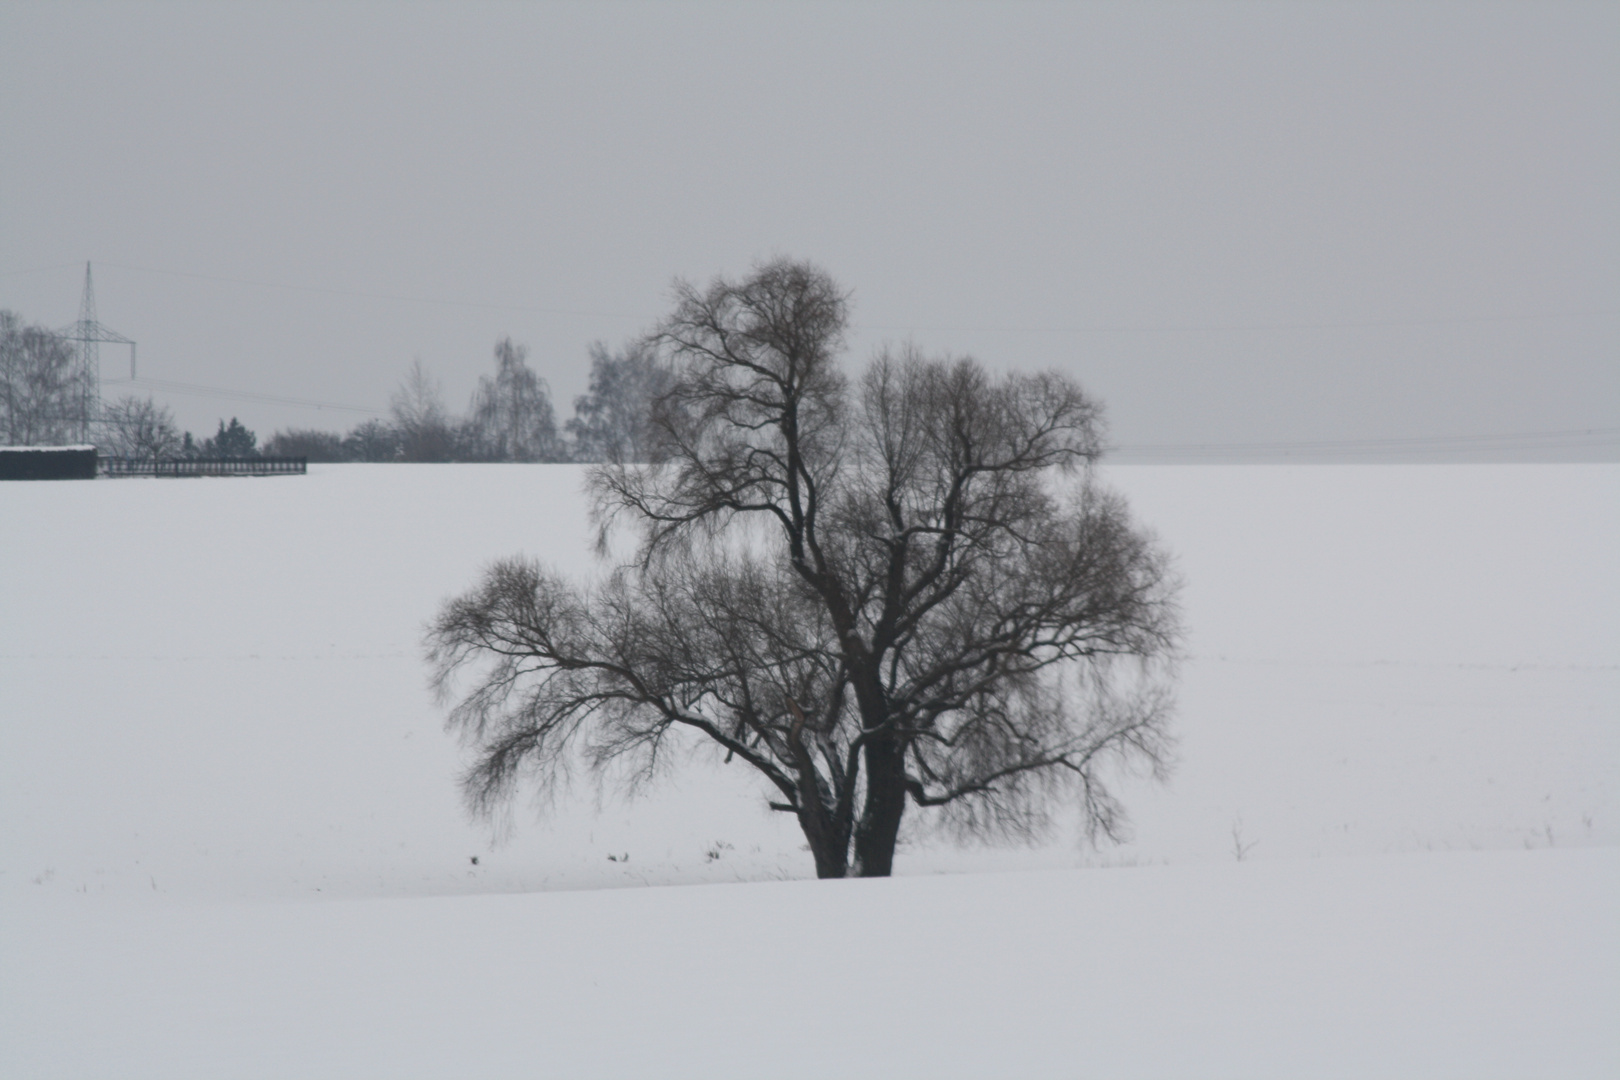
[(260, 466)]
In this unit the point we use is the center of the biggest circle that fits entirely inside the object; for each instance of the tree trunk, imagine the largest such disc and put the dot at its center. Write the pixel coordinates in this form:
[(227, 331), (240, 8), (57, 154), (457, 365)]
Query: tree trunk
[(879, 827), (831, 862), (828, 836), (831, 850)]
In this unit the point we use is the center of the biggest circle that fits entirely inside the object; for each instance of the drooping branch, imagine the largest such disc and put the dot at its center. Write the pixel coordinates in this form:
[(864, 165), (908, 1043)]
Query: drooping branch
[(867, 593)]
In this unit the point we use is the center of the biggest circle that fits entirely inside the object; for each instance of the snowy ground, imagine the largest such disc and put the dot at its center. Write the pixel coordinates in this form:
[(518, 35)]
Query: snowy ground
[(230, 843)]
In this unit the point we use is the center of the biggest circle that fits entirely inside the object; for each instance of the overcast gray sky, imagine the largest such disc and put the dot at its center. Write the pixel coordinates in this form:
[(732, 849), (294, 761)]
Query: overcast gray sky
[(1236, 223)]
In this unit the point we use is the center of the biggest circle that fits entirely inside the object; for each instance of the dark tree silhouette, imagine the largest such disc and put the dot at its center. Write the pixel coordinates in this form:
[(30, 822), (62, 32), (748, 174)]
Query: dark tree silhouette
[(233, 440), (309, 443), (907, 589)]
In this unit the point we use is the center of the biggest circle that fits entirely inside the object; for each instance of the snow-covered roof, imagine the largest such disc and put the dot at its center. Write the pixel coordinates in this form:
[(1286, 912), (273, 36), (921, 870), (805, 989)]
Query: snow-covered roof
[(43, 449)]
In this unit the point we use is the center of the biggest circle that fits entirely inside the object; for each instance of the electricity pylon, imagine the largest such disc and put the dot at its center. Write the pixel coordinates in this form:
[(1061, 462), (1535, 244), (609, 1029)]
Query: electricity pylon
[(88, 334)]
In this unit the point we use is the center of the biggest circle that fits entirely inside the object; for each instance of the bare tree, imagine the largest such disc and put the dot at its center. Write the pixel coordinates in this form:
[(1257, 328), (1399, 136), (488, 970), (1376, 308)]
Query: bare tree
[(139, 428), (422, 426), (371, 441), (42, 390), (512, 418), (613, 421), (912, 588)]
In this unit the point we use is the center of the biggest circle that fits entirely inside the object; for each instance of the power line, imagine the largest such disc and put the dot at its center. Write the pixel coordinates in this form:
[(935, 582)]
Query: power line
[(372, 295), (1213, 328), (1433, 444), (199, 389), (1120, 328), (37, 269)]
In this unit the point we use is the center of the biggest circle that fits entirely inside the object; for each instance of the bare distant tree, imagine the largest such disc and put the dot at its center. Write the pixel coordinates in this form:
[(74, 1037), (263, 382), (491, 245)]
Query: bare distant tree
[(613, 421), (512, 417), (911, 588), (372, 441), (421, 423), (42, 391), (139, 428)]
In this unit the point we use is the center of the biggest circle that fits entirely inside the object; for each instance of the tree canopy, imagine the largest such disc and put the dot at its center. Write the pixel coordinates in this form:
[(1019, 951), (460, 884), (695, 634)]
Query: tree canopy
[(905, 588)]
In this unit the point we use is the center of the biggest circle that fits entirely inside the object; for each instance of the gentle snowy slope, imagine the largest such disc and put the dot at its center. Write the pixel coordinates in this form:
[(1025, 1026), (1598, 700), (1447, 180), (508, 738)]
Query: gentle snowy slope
[(1456, 965), (229, 829)]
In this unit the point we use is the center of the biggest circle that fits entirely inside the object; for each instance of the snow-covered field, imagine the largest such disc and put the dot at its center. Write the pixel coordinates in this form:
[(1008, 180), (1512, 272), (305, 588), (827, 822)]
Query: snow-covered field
[(230, 841)]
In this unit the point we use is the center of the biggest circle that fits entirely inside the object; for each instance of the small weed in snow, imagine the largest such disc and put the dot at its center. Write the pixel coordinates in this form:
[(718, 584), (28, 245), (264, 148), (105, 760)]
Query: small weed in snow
[(1240, 847)]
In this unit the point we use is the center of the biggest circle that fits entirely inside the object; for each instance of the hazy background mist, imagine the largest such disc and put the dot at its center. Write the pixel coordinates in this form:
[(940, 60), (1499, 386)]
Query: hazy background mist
[(1236, 223)]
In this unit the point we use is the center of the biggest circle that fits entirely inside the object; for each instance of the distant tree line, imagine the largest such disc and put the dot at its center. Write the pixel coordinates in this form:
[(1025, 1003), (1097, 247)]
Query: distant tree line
[(510, 417), (44, 401)]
